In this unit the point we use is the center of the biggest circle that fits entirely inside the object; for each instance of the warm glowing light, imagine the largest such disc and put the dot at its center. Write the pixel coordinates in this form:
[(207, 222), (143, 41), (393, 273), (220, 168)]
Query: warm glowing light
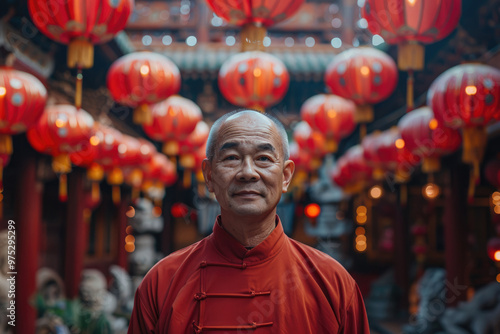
[(361, 219), (156, 211), (94, 140), (122, 148), (430, 191), (130, 212), (497, 255), (376, 192), (412, 2), (312, 210), (144, 69), (400, 143), (360, 230), (360, 239), (257, 72), (60, 123), (361, 210), (496, 198), (129, 239), (498, 278), (433, 124), (497, 209), (331, 113), (364, 70), (3, 91), (471, 90), (130, 247), (361, 247), (129, 229)]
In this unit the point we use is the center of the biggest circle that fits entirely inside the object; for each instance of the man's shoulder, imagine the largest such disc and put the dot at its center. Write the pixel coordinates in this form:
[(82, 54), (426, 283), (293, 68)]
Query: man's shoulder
[(319, 261)]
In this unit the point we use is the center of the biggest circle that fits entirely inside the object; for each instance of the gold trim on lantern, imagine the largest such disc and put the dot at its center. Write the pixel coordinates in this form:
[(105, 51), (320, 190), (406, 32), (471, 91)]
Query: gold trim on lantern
[(171, 148), (143, 115), (80, 54), (411, 56), (252, 37), (187, 161), (61, 164), (332, 145), (431, 165), (95, 172), (5, 144), (363, 114)]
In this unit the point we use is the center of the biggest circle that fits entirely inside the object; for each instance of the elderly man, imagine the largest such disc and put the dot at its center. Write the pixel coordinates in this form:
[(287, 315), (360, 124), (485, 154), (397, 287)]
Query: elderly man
[(248, 276)]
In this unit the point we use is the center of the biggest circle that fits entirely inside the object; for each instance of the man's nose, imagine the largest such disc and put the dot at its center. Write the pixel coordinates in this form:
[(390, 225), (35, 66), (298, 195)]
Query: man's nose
[(247, 171)]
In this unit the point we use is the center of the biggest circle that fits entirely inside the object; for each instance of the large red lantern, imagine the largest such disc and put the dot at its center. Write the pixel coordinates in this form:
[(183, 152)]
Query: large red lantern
[(363, 75), (158, 174), (61, 130), (395, 156), (254, 80), (22, 99), (303, 161), (254, 16), (371, 144), (141, 79), (468, 96), (310, 141), (80, 24), (352, 173), (173, 121), (408, 23), (188, 150), (426, 138), (331, 115)]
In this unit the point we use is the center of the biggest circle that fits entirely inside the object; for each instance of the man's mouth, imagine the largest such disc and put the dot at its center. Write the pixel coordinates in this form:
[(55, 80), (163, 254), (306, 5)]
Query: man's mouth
[(247, 193)]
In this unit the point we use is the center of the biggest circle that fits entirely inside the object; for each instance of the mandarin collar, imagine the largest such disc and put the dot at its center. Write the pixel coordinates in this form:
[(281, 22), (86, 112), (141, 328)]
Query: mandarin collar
[(232, 250)]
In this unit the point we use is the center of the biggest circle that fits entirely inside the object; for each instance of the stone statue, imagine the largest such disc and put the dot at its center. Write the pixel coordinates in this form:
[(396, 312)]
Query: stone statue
[(143, 220), (481, 315), (121, 288), (144, 256)]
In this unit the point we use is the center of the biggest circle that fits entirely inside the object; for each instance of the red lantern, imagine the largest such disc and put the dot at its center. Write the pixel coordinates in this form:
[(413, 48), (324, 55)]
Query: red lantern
[(61, 130), (173, 121), (352, 173), (408, 23), (141, 79), (371, 144), (80, 23), (493, 248), (395, 156), (188, 148), (22, 99), (254, 16), (310, 141), (158, 174), (468, 96), (254, 80), (331, 115), (363, 75), (427, 139)]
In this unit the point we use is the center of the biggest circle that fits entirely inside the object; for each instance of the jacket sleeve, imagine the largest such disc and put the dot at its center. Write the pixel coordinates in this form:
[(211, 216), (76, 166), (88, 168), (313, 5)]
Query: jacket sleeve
[(143, 319), (355, 319)]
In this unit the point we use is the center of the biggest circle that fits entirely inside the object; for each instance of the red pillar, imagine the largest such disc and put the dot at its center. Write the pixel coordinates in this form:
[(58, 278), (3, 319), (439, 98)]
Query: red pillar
[(122, 225), (455, 232), (28, 199), (76, 241)]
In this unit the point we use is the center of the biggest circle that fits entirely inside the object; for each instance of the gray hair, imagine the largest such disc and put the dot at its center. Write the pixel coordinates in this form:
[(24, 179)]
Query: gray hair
[(210, 152)]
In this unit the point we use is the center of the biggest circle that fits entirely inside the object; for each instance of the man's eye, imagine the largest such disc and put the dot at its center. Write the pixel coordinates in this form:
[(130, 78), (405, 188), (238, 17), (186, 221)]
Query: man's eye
[(230, 157), (263, 158)]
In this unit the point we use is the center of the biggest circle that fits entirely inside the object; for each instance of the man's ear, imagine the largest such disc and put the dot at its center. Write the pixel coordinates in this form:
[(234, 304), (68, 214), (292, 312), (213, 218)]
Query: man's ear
[(206, 167), (288, 170)]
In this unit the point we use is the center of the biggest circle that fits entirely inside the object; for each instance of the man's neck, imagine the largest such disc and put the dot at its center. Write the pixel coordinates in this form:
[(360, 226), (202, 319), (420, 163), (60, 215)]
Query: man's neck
[(249, 231)]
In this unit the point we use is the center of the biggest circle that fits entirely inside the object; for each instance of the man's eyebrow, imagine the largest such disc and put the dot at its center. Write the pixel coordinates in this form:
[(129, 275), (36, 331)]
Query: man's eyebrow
[(227, 146), (266, 147)]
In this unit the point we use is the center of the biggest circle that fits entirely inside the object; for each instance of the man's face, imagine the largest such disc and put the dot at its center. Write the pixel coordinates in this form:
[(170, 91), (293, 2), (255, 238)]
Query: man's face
[(248, 172)]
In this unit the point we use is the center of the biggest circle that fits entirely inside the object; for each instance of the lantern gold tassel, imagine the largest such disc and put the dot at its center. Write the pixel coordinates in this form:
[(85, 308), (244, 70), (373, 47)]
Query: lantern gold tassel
[(135, 193), (80, 54), (115, 178), (115, 194), (259, 108), (78, 90), (5, 144), (61, 164), (332, 145), (410, 105), (411, 56), (252, 37), (142, 115), (95, 192), (186, 179), (431, 165), (171, 148), (474, 143), (363, 114), (63, 187)]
